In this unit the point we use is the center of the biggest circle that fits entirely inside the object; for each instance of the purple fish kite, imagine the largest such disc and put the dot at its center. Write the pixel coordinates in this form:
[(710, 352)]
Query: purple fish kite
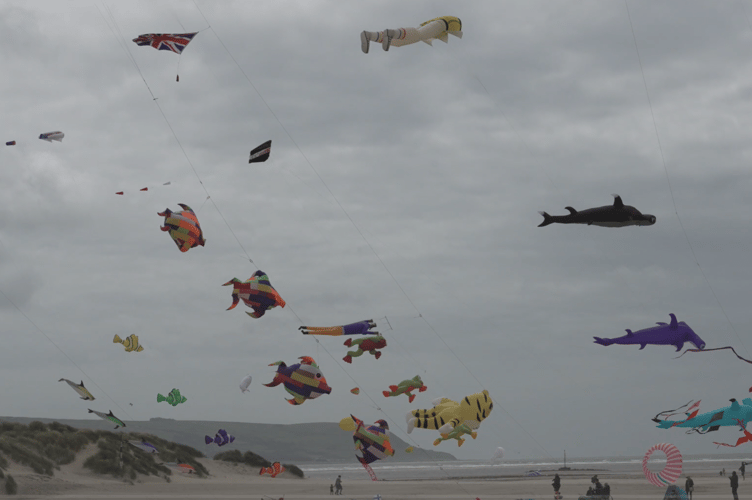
[(221, 438), (675, 334)]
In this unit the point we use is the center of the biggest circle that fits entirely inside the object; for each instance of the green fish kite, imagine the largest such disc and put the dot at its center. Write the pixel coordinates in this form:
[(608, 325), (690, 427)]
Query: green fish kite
[(406, 387), (458, 431), (174, 398)]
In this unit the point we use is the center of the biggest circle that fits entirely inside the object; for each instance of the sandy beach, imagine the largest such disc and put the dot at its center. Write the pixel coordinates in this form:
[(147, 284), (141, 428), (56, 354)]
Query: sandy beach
[(239, 481)]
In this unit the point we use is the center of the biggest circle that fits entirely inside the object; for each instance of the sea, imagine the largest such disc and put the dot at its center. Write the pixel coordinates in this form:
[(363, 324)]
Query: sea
[(499, 469)]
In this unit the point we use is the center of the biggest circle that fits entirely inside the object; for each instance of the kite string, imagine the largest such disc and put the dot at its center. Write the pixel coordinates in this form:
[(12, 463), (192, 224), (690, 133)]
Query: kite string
[(180, 144), (64, 353), (357, 228), (668, 180)]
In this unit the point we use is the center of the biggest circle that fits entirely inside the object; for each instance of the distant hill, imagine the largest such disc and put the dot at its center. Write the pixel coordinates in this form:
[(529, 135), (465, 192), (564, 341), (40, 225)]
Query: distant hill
[(295, 443)]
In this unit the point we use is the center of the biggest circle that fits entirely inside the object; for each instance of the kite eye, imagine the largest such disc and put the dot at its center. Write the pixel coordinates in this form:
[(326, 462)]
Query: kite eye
[(318, 376)]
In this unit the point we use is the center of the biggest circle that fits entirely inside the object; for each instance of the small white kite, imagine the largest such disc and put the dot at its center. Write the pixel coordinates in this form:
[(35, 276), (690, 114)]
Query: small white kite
[(245, 383)]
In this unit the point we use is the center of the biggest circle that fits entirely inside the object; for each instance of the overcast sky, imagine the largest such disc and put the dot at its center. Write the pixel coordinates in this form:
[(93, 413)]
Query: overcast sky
[(403, 186)]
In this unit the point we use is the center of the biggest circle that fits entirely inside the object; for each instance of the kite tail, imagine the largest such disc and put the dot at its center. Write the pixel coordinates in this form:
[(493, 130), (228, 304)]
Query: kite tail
[(160, 398), (601, 341), (209, 440), (348, 343), (411, 398), (347, 359), (386, 393), (116, 340), (436, 443), (547, 219)]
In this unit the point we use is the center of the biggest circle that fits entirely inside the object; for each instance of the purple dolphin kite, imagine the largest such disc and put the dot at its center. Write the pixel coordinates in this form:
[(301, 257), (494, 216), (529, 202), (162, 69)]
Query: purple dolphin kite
[(675, 334)]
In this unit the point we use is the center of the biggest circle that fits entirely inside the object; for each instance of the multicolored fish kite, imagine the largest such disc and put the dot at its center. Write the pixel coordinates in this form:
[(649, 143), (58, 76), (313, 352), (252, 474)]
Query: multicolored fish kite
[(406, 387), (616, 215), (261, 153), (183, 227), (371, 344), (434, 29), (109, 416), (735, 414), (302, 380), (359, 328), (174, 398), (221, 438), (257, 293), (355, 390), (10, 143), (674, 333), (446, 415), (130, 343), (80, 389), (372, 441), (274, 470)]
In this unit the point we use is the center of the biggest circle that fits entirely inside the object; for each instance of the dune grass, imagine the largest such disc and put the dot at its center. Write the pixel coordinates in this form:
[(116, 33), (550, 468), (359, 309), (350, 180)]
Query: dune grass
[(45, 447)]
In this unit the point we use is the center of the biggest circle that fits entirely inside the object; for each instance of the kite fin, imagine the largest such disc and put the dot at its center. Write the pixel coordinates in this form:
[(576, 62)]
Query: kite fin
[(347, 359), (393, 388), (674, 324), (386, 393), (348, 343), (436, 443), (377, 354), (458, 34), (275, 382), (411, 398)]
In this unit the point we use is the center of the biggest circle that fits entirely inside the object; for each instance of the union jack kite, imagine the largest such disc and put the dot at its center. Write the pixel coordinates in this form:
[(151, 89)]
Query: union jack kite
[(175, 42)]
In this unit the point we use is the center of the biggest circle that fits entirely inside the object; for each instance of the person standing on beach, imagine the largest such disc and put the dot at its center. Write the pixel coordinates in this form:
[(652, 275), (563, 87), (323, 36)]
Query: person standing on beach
[(556, 483), (338, 485), (734, 484), (741, 469), (689, 486)]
